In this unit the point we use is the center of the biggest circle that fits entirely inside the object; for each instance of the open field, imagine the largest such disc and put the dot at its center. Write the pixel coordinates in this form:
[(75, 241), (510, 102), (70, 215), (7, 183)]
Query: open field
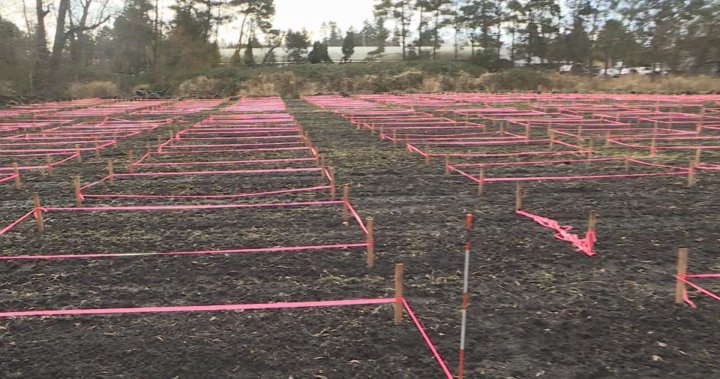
[(228, 220)]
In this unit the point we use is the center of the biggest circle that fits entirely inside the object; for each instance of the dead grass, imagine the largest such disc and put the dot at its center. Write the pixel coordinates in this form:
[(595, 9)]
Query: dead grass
[(102, 89)]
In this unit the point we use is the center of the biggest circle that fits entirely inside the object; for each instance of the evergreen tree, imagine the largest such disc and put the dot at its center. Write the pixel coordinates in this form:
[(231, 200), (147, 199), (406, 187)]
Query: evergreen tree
[(348, 47)]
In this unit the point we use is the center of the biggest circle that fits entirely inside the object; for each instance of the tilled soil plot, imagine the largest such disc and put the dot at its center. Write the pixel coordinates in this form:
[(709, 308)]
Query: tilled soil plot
[(537, 309)]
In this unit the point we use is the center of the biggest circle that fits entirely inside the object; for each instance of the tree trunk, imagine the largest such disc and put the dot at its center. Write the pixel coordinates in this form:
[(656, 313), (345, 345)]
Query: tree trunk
[(403, 31), (436, 34), (40, 34), (59, 43), (420, 34)]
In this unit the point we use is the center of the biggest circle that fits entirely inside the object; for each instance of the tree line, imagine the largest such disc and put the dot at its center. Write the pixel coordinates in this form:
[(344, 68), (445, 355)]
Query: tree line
[(87, 36)]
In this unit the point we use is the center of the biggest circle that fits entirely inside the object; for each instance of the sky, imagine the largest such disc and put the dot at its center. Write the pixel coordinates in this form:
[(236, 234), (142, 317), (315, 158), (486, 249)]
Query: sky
[(291, 14)]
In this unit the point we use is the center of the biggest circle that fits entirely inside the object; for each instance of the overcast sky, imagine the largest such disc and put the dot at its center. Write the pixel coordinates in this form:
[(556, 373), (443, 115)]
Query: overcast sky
[(291, 14)]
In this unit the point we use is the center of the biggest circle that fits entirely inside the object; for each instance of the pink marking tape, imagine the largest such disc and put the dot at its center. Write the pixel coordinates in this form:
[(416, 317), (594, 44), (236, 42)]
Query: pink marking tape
[(583, 245)]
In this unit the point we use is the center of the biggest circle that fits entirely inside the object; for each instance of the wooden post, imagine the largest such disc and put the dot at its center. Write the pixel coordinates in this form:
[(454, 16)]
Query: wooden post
[(398, 305), (607, 139), (580, 132), (48, 165), (76, 189), (680, 288), (370, 242), (698, 155), (653, 145), (130, 161), (481, 183), (627, 163), (527, 131), (447, 164), (38, 213), (592, 220), (591, 147), (16, 171), (147, 147), (331, 174), (551, 134), (518, 196), (394, 138), (111, 177), (382, 132), (346, 203), (691, 173)]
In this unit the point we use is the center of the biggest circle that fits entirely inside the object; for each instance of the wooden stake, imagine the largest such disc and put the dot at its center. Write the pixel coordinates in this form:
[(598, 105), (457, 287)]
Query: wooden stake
[(48, 165), (79, 154), (691, 173), (130, 161), (38, 213), (16, 171), (447, 164), (346, 203), (398, 305), (111, 177), (607, 139), (76, 189), (698, 155), (370, 242), (331, 174), (592, 220), (394, 138), (591, 147), (518, 196), (481, 183), (627, 163), (680, 288), (527, 131), (653, 145)]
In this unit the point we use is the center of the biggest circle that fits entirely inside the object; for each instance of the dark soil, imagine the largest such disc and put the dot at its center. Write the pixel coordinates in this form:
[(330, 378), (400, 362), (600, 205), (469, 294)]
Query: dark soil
[(537, 309)]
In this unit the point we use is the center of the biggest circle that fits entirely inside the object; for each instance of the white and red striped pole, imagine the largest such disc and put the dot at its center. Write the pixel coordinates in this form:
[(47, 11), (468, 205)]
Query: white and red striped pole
[(464, 304)]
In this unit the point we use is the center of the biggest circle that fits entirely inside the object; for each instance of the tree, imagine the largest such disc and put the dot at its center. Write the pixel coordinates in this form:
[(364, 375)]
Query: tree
[(296, 45), (249, 58), (319, 53), (132, 34), (442, 12), (348, 47), (399, 11), (188, 44), (257, 14), (40, 33), (614, 43), (483, 18)]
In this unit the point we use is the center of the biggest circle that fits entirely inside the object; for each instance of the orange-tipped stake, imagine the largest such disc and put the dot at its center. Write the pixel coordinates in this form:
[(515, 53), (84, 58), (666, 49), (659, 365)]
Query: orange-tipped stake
[(398, 305), (370, 243), (680, 288)]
